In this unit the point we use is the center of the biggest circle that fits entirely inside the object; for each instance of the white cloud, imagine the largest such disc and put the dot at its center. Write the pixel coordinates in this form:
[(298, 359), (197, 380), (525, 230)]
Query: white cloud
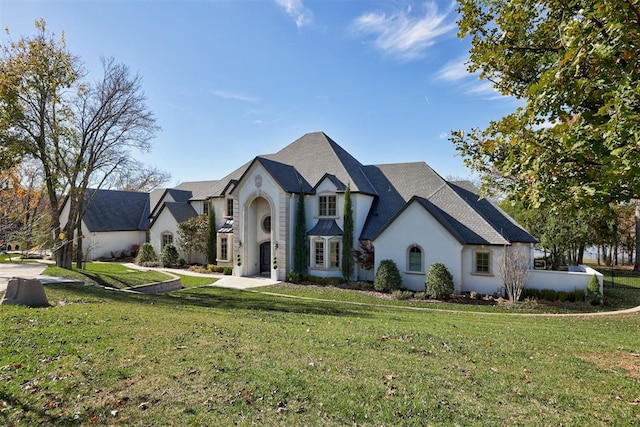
[(297, 11), (235, 96), (454, 71), (405, 34)]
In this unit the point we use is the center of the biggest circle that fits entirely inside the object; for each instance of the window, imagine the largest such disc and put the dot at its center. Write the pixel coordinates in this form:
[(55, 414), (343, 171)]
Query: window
[(224, 248), (229, 207), (318, 246), (482, 263), (167, 239), (266, 224), (327, 206), (205, 207), (334, 254), (415, 259)]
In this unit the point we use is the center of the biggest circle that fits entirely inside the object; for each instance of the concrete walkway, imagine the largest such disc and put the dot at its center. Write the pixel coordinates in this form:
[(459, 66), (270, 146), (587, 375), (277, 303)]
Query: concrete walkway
[(231, 282), (27, 270)]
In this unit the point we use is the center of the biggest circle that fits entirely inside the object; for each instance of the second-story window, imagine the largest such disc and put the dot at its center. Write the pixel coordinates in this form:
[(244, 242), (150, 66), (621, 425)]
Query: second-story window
[(229, 207), (327, 206)]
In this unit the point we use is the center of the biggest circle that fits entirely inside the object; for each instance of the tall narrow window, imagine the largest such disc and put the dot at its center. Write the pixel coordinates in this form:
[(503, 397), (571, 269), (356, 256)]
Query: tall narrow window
[(334, 254), (327, 206), (482, 263), (229, 207), (205, 207), (224, 248), (415, 259), (319, 253), (167, 239)]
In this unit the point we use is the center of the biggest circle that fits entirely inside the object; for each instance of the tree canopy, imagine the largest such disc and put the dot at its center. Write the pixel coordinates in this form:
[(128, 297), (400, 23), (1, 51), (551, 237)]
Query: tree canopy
[(82, 133), (575, 139)]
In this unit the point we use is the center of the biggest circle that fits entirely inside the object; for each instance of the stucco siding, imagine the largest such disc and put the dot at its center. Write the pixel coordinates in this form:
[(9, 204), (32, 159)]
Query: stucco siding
[(415, 226)]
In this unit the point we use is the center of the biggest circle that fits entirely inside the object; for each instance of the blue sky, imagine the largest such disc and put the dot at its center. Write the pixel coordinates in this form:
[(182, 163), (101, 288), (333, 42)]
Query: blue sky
[(229, 80)]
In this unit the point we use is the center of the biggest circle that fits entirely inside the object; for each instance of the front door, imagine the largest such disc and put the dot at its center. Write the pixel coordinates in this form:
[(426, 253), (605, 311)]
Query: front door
[(265, 255)]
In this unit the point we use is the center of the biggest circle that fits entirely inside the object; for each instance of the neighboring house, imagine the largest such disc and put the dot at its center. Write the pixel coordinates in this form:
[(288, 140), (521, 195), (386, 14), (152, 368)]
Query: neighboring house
[(113, 223), (406, 211)]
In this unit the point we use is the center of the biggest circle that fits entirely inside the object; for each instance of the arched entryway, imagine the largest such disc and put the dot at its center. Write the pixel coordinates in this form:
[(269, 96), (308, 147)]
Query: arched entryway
[(258, 236)]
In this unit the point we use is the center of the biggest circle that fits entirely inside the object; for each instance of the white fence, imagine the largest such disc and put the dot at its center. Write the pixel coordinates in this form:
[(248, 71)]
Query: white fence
[(563, 280)]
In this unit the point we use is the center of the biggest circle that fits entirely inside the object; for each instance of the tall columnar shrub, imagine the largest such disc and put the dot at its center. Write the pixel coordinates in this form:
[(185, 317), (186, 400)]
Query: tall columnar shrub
[(348, 260), (387, 277), (593, 291), (146, 253), (212, 237), (300, 238), (439, 283), (169, 255)]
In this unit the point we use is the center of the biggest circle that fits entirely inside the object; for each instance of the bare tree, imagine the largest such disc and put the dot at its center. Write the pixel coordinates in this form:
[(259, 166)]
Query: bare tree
[(139, 177), (81, 133), (514, 271)]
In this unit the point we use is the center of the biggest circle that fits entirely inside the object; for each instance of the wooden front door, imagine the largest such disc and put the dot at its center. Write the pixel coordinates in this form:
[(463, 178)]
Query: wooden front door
[(265, 255)]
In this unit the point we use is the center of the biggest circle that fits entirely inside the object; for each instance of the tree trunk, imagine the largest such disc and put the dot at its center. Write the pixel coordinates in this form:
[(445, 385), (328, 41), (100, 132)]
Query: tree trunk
[(79, 249)]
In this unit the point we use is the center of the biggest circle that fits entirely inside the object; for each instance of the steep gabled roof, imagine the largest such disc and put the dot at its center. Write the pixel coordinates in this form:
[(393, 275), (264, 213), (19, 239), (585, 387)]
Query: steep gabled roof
[(181, 211), (495, 216), (315, 154), (340, 186), (286, 175), (178, 195), (112, 210), (468, 218)]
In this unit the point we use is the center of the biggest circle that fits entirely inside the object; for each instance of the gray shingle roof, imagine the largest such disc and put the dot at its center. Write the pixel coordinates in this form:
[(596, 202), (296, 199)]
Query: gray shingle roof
[(181, 211), (315, 154), (112, 210), (325, 227), (467, 217), (286, 175)]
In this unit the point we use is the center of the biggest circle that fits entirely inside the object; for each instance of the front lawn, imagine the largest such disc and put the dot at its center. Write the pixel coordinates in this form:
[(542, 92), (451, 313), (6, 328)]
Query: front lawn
[(108, 274), (212, 356)]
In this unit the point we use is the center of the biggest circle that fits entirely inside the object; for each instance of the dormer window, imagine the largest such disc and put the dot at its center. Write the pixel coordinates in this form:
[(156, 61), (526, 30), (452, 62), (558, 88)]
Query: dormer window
[(327, 206)]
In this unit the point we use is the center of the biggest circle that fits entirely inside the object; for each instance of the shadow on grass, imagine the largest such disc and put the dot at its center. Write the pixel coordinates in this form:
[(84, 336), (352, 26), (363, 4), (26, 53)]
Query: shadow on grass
[(35, 412), (210, 297)]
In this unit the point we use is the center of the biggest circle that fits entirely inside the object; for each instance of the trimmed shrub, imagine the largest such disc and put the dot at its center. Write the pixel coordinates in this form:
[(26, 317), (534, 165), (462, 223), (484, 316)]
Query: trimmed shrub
[(531, 293), (593, 291), (294, 277), (563, 296), (227, 271), (439, 283), (169, 255), (387, 277), (548, 295), (420, 295), (146, 254)]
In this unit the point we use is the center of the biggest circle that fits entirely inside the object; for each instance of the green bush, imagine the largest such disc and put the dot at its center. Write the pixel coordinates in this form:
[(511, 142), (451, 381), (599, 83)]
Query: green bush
[(387, 277), (439, 283), (146, 254), (548, 295), (294, 277), (563, 296), (420, 295), (531, 293), (323, 281), (227, 271), (169, 255), (593, 291)]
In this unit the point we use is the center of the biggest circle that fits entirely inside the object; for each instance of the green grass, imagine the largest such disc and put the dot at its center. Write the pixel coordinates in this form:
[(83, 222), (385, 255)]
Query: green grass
[(212, 356), (195, 281), (14, 258), (108, 274)]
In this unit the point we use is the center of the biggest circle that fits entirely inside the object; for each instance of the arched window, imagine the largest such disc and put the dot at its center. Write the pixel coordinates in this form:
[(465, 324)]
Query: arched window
[(414, 261)]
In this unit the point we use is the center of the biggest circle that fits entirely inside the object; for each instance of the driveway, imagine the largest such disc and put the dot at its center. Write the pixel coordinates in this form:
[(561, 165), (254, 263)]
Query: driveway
[(26, 271)]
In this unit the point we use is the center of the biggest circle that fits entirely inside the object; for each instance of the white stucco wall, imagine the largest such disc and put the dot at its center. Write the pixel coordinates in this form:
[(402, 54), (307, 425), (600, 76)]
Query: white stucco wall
[(248, 228), (102, 244), (490, 283), (415, 226)]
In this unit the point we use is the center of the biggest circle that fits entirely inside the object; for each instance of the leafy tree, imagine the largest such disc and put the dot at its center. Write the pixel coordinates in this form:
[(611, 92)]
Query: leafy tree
[(365, 256), (81, 133), (439, 282), (574, 66), (212, 237), (300, 238), (348, 261), (192, 235)]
